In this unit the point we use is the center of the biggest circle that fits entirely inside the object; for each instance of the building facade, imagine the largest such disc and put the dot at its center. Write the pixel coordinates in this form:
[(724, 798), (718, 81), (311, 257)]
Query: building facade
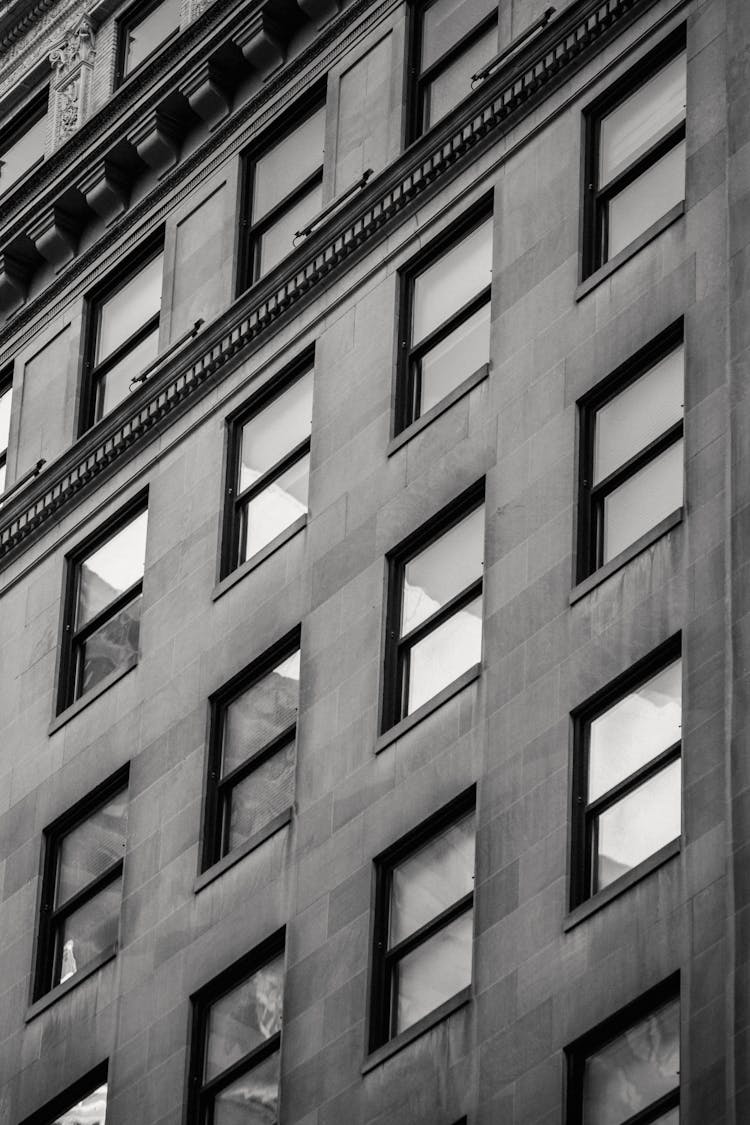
[(374, 645)]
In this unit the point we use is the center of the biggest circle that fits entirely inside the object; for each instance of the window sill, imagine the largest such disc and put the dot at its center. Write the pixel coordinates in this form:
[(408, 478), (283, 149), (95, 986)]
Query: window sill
[(395, 732), (624, 883), (624, 557), (67, 986), (259, 557), (74, 708), (393, 1046), (216, 870), (629, 251), (439, 408)]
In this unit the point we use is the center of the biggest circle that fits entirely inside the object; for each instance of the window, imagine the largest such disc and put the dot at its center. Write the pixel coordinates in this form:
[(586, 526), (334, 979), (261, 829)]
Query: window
[(636, 154), (252, 752), (627, 1071), (103, 608), (123, 334), (434, 631), (283, 191), (6, 393), (23, 142), (234, 1065), (142, 30), (628, 791), (446, 318), (424, 921), (82, 885), (269, 466), (84, 1103), (631, 452), (451, 41)]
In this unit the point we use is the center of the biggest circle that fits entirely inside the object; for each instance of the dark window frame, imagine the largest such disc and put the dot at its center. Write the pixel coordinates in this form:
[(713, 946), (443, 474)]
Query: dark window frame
[(578, 1052), (72, 638), (69, 1097), (395, 678), (93, 375), (130, 19), (50, 917), (408, 374), (6, 384), (215, 820), (382, 1008), (234, 500), (20, 120), (583, 811), (596, 200), (201, 1093), (250, 233), (591, 498)]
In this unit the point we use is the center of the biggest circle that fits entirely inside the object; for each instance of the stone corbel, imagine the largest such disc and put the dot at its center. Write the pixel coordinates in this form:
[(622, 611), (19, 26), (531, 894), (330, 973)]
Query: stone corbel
[(261, 40), (320, 11), (73, 63), (54, 237), (157, 141), (206, 93), (106, 189)]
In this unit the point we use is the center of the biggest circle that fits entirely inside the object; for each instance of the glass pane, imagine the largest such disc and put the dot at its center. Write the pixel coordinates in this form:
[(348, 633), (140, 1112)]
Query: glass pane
[(244, 1017), (263, 795), (2, 477), (432, 878), (261, 713), (90, 848), (642, 501), (128, 309), (450, 282), (440, 657), (112, 569), (252, 1099), (145, 36), (88, 931), (446, 21), (433, 972), (5, 397), (455, 358), (635, 729), (634, 1070), (114, 385), (639, 414), (641, 120), (453, 84), (671, 1117), (91, 1110), (275, 430), (275, 508), (285, 166), (442, 570), (110, 646), (23, 153), (638, 825), (278, 239), (646, 200)]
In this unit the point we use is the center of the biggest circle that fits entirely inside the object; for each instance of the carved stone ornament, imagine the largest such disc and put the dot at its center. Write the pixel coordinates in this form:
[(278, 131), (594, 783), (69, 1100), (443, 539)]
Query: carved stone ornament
[(73, 61)]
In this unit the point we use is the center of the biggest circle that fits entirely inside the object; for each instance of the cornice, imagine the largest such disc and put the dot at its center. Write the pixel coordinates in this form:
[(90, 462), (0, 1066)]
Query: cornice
[(490, 113)]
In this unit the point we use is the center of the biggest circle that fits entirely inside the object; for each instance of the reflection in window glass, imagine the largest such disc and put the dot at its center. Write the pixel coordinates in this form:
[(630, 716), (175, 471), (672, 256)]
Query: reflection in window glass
[(142, 36), (6, 392), (449, 284), (445, 22), (241, 1020), (642, 501), (88, 932), (647, 818), (639, 206), (25, 149), (298, 155), (432, 878), (91, 1110), (442, 570), (112, 568), (129, 307), (448, 88), (433, 972), (88, 850), (644, 118)]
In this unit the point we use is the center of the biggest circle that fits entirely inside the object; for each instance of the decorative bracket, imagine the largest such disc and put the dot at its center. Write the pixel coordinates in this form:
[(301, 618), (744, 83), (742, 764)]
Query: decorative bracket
[(54, 236), (157, 140), (207, 93), (106, 189), (262, 41)]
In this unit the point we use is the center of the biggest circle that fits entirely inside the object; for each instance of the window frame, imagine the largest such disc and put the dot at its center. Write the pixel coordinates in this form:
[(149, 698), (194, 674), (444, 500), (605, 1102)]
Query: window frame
[(589, 555), (382, 1009), (201, 1001), (91, 404), (50, 916), (70, 1096), (583, 811), (67, 694), (130, 19), (596, 199), (6, 385), (215, 822), (395, 686), (605, 1032), (20, 120)]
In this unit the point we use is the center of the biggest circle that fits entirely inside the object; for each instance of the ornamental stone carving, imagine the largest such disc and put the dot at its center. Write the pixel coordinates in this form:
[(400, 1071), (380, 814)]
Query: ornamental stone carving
[(73, 63)]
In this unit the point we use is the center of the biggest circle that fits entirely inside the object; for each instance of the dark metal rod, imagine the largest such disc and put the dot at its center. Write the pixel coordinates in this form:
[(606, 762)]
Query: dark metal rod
[(506, 51), (23, 480), (332, 206), (164, 355)]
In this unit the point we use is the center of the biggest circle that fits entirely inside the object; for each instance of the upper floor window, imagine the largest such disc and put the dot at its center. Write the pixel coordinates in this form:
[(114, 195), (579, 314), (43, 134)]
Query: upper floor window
[(82, 885), (84, 1103), (434, 630), (6, 393), (103, 608), (236, 1041), (123, 334), (269, 466), (446, 320), (424, 921), (635, 155), (23, 141), (631, 452), (451, 41), (283, 192), (142, 30)]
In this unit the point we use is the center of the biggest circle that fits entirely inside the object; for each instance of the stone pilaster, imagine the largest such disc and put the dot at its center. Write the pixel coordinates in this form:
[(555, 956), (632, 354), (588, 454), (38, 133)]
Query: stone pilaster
[(73, 64)]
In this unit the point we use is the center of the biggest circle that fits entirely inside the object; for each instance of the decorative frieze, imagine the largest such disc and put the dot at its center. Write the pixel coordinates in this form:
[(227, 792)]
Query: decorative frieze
[(72, 61)]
